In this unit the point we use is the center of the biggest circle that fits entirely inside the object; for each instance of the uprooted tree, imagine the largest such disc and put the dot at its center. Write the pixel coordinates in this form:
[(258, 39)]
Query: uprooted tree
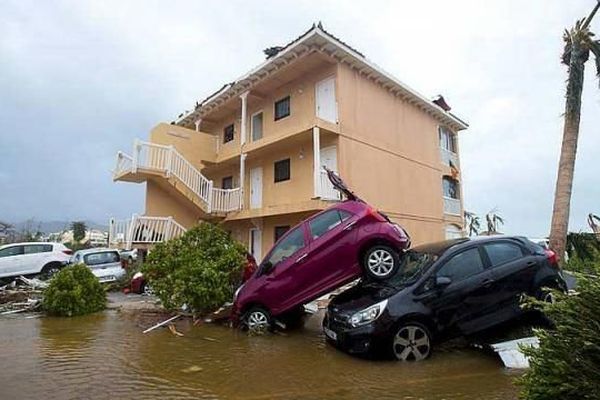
[(200, 269)]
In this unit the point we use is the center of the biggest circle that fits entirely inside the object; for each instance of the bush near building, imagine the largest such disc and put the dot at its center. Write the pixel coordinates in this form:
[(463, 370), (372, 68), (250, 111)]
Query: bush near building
[(567, 364), (200, 269), (74, 290)]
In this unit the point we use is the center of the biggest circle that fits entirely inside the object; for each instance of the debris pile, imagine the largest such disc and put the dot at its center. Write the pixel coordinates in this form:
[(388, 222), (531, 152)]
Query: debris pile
[(21, 295)]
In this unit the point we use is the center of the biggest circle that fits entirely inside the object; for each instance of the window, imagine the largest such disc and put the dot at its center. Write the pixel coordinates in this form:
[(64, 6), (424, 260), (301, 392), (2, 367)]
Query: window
[(462, 265), (326, 222), (37, 248), (257, 126), (282, 108), (503, 252), (101, 258), (280, 231), (447, 139), (11, 251), (227, 182), (282, 170), (450, 188), (228, 133), (293, 242)]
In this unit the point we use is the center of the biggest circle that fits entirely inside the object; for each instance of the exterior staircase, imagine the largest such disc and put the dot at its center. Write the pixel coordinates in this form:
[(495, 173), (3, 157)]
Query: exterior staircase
[(151, 160), (142, 231)]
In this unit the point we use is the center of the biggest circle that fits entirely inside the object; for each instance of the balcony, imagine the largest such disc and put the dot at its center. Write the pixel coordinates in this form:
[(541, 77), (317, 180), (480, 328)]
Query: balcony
[(151, 160), (448, 157), (452, 206), (142, 230)]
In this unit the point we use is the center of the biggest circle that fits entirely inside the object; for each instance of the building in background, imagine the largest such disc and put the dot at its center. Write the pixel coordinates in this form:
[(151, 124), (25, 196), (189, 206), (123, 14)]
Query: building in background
[(250, 156)]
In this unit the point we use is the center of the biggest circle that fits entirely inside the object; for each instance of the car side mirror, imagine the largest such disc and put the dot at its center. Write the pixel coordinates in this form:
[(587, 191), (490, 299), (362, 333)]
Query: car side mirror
[(266, 268), (442, 281)]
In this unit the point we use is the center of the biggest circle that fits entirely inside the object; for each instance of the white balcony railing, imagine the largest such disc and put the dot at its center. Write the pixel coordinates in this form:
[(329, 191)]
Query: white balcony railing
[(452, 206), (449, 156), (167, 160), (226, 199), (326, 190), (140, 229)]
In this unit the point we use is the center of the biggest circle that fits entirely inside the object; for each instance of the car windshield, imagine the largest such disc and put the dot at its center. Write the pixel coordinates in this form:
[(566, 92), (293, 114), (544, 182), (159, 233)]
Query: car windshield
[(412, 266), (101, 258)]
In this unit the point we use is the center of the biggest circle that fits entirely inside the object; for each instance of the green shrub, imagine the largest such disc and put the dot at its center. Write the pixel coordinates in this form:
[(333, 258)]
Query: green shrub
[(74, 291), (199, 269), (567, 363)]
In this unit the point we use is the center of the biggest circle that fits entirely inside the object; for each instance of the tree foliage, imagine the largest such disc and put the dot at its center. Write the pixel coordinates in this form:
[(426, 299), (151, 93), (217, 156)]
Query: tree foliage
[(200, 269), (74, 290), (79, 228), (567, 364)]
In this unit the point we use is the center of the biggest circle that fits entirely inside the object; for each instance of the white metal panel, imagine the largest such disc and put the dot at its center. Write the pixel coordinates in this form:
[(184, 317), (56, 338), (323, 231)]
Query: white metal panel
[(325, 100)]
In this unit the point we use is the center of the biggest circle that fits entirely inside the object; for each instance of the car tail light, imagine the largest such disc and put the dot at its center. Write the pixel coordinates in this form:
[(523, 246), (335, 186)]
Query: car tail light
[(68, 252), (552, 257), (377, 215)]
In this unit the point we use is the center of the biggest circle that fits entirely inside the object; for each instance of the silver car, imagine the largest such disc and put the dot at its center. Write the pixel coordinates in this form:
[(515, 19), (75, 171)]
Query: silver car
[(104, 263)]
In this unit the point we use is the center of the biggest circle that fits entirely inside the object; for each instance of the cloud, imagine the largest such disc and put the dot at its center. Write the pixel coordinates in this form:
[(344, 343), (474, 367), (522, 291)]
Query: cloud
[(81, 80)]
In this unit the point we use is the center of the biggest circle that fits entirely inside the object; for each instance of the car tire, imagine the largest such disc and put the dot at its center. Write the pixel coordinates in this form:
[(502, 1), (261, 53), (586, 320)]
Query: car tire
[(258, 320), (146, 289), (50, 270), (411, 342), (380, 262), (545, 294)]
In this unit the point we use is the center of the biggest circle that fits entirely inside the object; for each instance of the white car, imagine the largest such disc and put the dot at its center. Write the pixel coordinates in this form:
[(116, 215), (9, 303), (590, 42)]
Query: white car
[(104, 263), (129, 255), (32, 258)]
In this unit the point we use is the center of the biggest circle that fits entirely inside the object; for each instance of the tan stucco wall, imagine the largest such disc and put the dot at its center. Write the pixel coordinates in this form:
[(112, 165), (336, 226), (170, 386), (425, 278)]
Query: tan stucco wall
[(163, 203), (383, 136), (194, 146)]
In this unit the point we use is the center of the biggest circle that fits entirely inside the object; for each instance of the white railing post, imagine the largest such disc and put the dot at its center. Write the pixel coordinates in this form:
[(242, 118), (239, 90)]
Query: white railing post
[(130, 232), (210, 197), (317, 162), (169, 160), (169, 228), (136, 150), (111, 231)]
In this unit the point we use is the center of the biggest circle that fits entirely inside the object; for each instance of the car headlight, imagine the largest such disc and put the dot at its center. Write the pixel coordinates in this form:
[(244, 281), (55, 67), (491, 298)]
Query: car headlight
[(368, 315), (235, 295)]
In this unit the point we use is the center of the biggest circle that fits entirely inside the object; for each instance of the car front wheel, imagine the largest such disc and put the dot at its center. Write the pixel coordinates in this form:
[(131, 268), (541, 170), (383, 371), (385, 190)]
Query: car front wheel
[(258, 320), (381, 262), (412, 342)]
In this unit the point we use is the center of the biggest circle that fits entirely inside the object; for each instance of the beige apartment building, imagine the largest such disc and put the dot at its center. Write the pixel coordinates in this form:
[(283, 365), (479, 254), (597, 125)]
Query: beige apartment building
[(250, 156)]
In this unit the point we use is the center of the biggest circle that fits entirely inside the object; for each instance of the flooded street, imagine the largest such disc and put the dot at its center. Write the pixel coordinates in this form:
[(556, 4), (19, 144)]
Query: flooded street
[(105, 356)]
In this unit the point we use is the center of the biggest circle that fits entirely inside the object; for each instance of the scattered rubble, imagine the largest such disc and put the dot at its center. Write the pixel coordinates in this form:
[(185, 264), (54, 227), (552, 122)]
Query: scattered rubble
[(21, 295)]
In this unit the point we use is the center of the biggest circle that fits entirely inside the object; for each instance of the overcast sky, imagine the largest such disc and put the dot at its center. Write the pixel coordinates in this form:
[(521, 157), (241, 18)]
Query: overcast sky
[(80, 80)]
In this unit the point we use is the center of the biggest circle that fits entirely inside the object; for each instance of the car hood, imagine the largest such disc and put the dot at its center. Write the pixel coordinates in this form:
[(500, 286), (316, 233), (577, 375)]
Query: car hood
[(361, 296)]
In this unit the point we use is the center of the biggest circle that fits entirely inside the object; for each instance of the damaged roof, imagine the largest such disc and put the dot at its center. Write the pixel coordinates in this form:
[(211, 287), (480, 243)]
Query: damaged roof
[(317, 39)]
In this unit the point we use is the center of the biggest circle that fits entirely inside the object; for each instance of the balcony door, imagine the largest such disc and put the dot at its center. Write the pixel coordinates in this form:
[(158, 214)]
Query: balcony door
[(329, 160), (325, 100), (256, 244), (256, 185)]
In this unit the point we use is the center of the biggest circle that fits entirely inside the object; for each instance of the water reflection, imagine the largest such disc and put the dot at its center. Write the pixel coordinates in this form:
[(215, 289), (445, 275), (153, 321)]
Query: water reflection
[(106, 356)]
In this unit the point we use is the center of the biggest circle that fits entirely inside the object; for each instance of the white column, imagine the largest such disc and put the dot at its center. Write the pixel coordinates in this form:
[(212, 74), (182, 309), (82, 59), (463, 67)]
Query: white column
[(244, 98), (242, 178), (197, 123), (317, 160)]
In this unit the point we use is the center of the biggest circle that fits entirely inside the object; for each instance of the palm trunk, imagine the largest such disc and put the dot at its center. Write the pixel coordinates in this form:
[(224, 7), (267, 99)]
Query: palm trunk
[(566, 166)]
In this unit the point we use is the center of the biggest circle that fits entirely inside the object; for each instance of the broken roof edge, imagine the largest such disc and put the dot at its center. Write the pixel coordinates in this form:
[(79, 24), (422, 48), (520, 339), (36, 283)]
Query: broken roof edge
[(318, 30)]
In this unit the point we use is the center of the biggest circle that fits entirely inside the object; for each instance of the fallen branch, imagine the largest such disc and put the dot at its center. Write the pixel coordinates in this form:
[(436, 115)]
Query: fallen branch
[(161, 324)]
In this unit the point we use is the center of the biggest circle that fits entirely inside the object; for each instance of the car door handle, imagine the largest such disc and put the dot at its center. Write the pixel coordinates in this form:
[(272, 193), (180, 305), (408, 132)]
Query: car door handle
[(486, 283), (531, 263), (350, 226), (301, 258)]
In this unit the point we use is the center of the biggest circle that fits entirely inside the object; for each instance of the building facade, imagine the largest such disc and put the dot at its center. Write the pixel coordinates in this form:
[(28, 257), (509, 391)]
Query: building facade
[(250, 156)]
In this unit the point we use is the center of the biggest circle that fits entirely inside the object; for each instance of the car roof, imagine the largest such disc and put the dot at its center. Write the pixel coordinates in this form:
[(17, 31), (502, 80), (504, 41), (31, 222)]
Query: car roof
[(441, 247), (27, 243), (95, 250)]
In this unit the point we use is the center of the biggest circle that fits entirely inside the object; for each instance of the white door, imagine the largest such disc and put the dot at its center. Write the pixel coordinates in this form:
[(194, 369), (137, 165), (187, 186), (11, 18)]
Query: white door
[(325, 100), (256, 244), (256, 187), (329, 160)]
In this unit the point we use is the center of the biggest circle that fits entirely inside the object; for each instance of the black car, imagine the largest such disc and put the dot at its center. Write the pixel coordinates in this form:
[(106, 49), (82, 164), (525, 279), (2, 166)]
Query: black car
[(442, 290)]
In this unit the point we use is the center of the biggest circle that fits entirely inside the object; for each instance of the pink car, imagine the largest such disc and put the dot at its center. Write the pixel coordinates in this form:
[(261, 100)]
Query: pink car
[(347, 241)]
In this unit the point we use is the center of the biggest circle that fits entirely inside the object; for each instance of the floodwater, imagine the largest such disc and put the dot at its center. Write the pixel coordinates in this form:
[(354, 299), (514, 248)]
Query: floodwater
[(105, 356)]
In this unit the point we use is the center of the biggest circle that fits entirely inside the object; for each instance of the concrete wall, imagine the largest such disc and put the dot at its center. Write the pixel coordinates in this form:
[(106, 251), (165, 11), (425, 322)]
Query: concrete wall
[(161, 202), (383, 136), (194, 146)]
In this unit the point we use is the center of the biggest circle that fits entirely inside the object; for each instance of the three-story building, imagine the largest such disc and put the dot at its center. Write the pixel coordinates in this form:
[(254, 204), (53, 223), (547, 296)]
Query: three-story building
[(250, 156)]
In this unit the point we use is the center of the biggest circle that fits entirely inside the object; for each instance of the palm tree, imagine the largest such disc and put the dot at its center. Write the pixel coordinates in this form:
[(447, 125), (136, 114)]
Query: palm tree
[(493, 220), (473, 223), (578, 45)]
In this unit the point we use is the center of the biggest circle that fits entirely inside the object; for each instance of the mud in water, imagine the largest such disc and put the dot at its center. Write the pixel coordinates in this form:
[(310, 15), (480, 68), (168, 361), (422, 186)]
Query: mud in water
[(105, 356)]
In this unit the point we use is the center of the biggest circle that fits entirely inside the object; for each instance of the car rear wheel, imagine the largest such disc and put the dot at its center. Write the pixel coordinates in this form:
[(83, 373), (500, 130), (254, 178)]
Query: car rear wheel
[(380, 262), (412, 342), (258, 320), (50, 270)]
